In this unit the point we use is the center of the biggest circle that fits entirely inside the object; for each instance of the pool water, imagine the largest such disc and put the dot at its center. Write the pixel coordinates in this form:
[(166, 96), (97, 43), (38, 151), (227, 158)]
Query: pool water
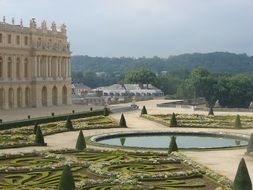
[(183, 141)]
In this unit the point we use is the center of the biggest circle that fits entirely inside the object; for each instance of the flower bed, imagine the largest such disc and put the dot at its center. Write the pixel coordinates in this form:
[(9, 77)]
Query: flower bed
[(100, 169), (24, 136), (202, 121)]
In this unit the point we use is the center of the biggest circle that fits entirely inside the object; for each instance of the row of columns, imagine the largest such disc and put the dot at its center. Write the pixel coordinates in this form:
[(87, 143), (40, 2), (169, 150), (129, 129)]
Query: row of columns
[(51, 66), (11, 98), (14, 67)]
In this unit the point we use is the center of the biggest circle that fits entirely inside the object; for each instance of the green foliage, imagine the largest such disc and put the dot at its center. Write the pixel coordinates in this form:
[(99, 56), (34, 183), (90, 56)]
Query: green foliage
[(39, 138), (250, 145), (173, 121), (122, 141), (211, 111), (80, 143), (238, 124), (67, 180), (144, 111), (106, 111), (122, 122), (173, 145), (68, 124), (35, 128), (242, 179), (141, 76)]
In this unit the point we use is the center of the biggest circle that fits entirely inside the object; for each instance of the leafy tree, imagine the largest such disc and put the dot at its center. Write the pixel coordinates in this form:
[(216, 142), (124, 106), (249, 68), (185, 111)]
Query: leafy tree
[(80, 143), (250, 144), (173, 145), (141, 76), (144, 111), (122, 122), (67, 180), (39, 138), (122, 141), (242, 179), (238, 122), (68, 124), (173, 121)]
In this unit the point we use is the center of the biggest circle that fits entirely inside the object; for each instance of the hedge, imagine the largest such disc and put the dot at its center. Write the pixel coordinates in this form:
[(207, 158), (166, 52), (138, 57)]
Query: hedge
[(48, 119)]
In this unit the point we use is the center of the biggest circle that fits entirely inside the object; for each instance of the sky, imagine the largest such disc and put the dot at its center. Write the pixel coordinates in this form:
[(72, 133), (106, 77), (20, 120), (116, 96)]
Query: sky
[(137, 28)]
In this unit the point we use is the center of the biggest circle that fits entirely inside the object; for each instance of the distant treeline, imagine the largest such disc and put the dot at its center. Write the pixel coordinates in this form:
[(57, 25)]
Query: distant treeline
[(218, 62)]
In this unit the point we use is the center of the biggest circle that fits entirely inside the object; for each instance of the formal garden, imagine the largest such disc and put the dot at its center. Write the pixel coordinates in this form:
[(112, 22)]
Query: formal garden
[(83, 168)]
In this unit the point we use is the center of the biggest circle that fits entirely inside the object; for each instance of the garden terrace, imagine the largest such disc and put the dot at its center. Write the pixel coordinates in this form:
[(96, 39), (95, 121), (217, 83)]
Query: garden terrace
[(202, 121), (24, 136), (97, 169)]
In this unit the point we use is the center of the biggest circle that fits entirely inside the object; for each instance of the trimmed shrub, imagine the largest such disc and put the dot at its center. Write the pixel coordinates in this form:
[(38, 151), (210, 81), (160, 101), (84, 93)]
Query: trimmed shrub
[(144, 111), (67, 180), (211, 111), (73, 111), (173, 121), (91, 109), (242, 179), (250, 145), (28, 117), (35, 128), (68, 124), (122, 141), (122, 122), (106, 112), (173, 145), (238, 124), (80, 143), (39, 138), (52, 114)]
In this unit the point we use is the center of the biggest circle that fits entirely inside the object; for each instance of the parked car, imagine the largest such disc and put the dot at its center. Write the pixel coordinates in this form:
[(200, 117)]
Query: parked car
[(134, 106)]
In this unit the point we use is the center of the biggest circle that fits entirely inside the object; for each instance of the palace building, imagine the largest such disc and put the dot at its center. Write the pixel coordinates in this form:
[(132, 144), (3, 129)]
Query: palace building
[(34, 65)]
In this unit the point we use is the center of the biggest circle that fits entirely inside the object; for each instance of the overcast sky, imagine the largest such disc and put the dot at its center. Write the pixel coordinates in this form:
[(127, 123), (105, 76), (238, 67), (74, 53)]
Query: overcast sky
[(144, 27)]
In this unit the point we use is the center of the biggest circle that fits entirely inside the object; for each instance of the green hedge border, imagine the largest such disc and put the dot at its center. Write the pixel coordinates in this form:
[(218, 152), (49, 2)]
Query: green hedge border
[(48, 119)]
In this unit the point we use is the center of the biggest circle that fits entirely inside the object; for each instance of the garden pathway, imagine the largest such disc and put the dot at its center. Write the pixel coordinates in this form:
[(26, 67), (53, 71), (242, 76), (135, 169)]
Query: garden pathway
[(223, 161)]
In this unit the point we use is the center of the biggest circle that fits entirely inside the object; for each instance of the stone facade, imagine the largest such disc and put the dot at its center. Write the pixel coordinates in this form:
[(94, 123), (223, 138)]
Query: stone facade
[(34, 66)]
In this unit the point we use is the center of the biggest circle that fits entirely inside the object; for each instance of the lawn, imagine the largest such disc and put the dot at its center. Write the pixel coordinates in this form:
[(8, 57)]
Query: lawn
[(97, 169), (202, 121)]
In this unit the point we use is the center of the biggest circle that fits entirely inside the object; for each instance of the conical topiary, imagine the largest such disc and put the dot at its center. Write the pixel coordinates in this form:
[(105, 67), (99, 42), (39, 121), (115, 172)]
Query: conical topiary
[(66, 181), (173, 145), (211, 111), (106, 111), (242, 179), (238, 122), (122, 141), (144, 111), (250, 144), (68, 124), (39, 138), (35, 128), (80, 143), (173, 121), (122, 122)]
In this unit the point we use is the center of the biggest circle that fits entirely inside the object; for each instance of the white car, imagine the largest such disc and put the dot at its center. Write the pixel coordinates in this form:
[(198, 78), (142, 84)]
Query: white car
[(134, 106)]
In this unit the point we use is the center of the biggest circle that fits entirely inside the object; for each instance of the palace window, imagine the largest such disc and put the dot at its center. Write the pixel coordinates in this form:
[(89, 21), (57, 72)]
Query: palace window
[(17, 40), (1, 37), (26, 68), (1, 67), (9, 68), (26, 40), (9, 38)]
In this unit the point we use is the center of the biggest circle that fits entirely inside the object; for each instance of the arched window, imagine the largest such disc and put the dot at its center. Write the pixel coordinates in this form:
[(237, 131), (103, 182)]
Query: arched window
[(44, 96), (26, 68), (9, 68), (1, 98), (19, 97), (1, 67), (27, 97), (18, 68), (11, 98), (64, 95), (54, 96)]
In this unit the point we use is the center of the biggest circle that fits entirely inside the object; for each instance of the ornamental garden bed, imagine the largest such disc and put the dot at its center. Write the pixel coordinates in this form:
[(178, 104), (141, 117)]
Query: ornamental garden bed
[(100, 169), (202, 121), (24, 136)]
